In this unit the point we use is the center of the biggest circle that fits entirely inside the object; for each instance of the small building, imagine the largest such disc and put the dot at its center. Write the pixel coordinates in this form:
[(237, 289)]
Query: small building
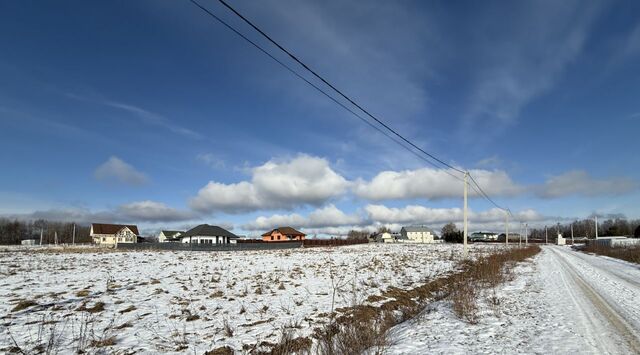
[(169, 236), (483, 236), (560, 240), (613, 241), (207, 234), (282, 234), (418, 234), (513, 237), (28, 242), (387, 237), (112, 234)]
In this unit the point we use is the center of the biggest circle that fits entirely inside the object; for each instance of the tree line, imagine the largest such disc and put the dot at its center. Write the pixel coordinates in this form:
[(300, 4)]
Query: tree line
[(586, 228), (15, 231)]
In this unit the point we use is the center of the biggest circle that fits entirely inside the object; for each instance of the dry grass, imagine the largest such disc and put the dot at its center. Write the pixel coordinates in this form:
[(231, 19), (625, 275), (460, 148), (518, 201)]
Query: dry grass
[(24, 304), (627, 253)]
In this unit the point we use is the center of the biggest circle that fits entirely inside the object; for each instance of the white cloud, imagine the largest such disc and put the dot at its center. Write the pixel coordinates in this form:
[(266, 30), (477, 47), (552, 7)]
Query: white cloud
[(578, 182), (151, 211), (134, 212), (329, 216), (432, 184), (492, 219), (211, 160), (516, 65), (332, 221), (116, 170), (304, 180)]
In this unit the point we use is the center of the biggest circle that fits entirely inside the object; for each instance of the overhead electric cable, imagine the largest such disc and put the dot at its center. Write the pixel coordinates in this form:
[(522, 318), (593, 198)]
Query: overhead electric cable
[(291, 70), (305, 66), (479, 189)]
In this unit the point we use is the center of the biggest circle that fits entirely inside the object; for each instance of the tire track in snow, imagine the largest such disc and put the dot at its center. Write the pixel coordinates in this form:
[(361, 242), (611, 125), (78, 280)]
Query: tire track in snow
[(606, 311)]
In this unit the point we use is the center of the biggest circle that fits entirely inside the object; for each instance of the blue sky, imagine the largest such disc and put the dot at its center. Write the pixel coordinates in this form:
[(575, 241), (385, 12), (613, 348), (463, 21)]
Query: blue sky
[(149, 112)]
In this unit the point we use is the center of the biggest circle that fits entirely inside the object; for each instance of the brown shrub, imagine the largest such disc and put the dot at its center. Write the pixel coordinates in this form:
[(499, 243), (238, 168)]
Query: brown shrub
[(628, 253)]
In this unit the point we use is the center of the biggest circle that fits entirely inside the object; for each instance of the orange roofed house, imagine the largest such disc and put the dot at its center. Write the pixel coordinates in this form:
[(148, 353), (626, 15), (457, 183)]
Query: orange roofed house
[(283, 234)]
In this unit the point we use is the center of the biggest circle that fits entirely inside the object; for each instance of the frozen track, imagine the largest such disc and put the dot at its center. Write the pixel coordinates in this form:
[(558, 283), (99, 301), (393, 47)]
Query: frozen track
[(598, 295)]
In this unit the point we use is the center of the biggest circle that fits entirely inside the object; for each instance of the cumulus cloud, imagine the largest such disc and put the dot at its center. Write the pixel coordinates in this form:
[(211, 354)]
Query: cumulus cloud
[(134, 212), (116, 170), (151, 211), (303, 180), (413, 214), (432, 184), (329, 216), (332, 221), (578, 182)]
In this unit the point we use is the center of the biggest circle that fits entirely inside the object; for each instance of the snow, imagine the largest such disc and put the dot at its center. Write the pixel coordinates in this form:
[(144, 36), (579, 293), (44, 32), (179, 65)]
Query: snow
[(562, 302), (182, 301)]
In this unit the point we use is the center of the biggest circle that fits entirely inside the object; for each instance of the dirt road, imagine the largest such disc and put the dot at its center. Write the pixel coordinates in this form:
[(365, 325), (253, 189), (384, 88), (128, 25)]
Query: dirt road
[(599, 297)]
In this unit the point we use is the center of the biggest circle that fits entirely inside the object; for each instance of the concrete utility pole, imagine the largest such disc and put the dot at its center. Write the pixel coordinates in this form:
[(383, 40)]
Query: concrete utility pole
[(520, 238), (596, 226), (506, 226), (572, 243), (73, 239), (55, 237), (464, 214), (526, 234), (41, 232), (546, 236)]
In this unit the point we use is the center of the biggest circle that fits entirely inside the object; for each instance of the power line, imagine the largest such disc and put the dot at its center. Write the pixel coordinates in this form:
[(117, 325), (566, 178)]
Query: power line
[(292, 56), (291, 70), (479, 189)]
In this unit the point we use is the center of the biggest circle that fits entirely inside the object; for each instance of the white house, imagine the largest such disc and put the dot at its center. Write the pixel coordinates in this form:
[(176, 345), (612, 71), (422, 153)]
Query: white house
[(169, 236), (387, 237), (112, 234), (560, 240), (206, 234), (483, 236), (417, 234)]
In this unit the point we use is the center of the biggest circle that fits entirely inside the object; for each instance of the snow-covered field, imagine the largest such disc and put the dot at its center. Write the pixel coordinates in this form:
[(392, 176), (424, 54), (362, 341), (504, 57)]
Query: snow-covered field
[(197, 301)]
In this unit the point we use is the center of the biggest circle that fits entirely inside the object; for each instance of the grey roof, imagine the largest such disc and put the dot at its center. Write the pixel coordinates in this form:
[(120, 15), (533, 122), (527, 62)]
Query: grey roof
[(171, 233), (418, 229), (208, 231)]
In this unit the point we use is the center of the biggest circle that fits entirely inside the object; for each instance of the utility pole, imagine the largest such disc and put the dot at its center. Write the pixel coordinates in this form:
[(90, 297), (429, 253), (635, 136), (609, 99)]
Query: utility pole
[(464, 214), (596, 226), (41, 232), (572, 243), (73, 239), (55, 237), (526, 234), (506, 226), (546, 236), (520, 238)]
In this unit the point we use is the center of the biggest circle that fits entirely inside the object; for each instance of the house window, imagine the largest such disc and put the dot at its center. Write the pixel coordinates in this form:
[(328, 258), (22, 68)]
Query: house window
[(271, 237), (104, 239)]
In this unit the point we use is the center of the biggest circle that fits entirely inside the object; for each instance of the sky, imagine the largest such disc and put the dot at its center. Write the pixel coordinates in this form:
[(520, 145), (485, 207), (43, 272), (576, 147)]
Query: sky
[(151, 112)]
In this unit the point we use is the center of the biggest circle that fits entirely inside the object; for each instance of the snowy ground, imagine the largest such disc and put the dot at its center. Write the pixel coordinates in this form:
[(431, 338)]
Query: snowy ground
[(196, 301), (564, 302)]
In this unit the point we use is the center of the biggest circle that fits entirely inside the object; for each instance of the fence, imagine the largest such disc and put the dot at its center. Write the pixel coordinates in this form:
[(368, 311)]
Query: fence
[(332, 242), (209, 247)]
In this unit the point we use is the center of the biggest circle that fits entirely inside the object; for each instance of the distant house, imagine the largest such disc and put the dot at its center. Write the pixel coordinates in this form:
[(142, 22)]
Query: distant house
[(513, 237), (169, 236), (387, 237), (282, 234), (207, 234), (112, 234), (418, 234), (483, 236)]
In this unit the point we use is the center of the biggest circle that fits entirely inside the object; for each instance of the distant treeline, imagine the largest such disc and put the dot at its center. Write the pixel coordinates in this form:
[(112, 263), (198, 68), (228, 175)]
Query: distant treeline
[(587, 228), (14, 231)]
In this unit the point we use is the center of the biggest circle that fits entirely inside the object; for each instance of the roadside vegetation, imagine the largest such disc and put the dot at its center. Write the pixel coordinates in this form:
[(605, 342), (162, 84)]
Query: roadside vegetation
[(629, 253), (362, 329)]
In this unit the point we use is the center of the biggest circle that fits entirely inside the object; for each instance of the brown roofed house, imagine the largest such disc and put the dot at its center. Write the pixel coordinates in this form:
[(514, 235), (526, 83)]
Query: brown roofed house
[(112, 234), (283, 234)]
